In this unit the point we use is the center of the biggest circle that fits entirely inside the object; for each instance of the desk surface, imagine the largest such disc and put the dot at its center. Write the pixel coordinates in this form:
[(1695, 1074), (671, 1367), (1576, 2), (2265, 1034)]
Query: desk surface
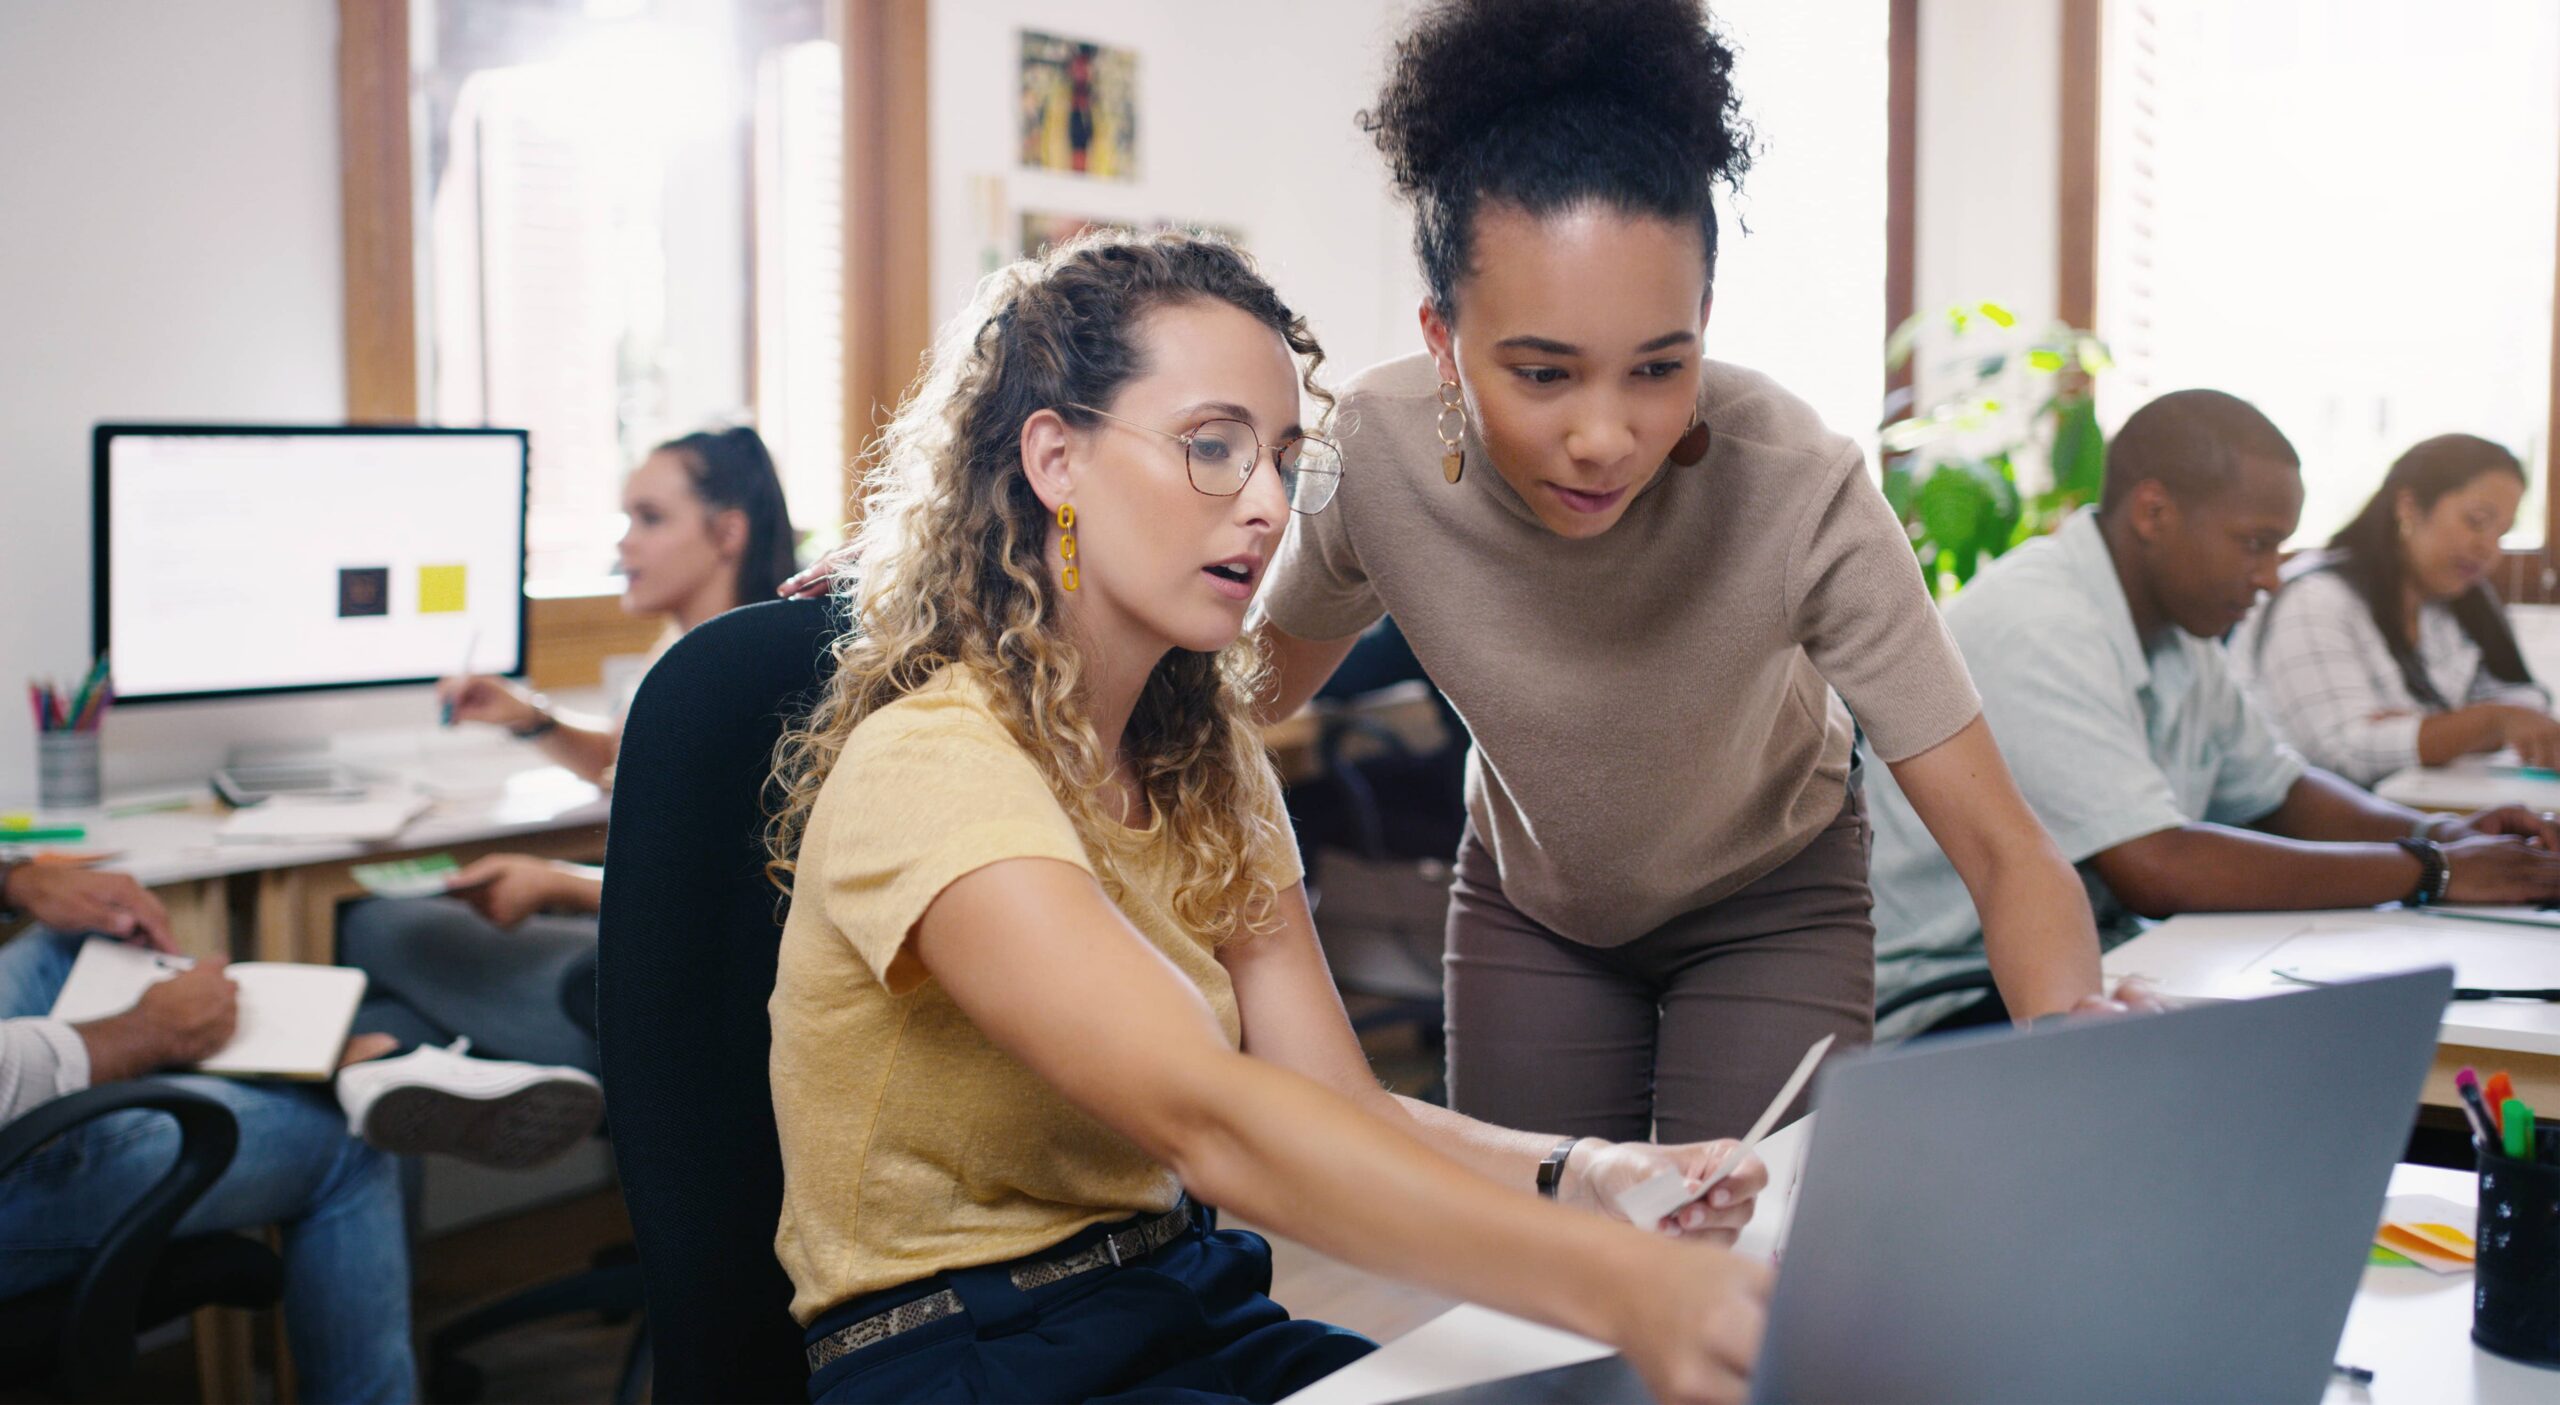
[(480, 786), (2409, 1327), (2233, 955), (2472, 783)]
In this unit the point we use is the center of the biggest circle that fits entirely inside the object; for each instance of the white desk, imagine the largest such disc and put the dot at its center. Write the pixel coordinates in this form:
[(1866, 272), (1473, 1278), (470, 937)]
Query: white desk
[(2472, 783), (486, 793), (2409, 1327), (2228, 956)]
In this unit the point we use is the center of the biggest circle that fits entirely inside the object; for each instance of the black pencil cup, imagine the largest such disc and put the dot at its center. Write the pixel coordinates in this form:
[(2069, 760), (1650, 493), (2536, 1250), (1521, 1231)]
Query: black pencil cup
[(2515, 1296)]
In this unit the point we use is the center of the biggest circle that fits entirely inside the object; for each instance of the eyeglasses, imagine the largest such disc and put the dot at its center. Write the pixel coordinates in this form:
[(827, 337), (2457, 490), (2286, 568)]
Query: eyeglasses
[(1221, 456)]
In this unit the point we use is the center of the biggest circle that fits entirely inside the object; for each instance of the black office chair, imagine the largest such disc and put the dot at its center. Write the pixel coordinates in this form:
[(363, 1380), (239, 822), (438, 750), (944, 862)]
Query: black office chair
[(1378, 826), (690, 931), (76, 1338)]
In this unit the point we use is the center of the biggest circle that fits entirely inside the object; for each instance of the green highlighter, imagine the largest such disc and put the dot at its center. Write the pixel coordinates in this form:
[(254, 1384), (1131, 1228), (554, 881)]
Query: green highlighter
[(2515, 1120)]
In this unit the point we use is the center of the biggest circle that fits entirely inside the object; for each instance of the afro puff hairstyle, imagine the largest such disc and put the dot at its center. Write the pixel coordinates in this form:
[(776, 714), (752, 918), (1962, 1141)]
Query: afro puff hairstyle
[(1551, 104)]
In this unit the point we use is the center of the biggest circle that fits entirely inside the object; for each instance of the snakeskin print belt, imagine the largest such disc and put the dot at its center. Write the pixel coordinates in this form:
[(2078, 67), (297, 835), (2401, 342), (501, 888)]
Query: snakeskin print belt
[(1111, 1251)]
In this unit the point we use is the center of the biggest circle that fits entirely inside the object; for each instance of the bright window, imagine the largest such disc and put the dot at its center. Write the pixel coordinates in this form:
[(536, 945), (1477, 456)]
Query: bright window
[(632, 230), (2342, 211)]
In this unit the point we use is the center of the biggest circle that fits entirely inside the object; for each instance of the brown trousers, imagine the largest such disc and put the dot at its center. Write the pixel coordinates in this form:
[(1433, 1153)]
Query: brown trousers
[(1683, 1034)]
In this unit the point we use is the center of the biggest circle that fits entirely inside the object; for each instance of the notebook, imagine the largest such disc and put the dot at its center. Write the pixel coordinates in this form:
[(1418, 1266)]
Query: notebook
[(294, 1019)]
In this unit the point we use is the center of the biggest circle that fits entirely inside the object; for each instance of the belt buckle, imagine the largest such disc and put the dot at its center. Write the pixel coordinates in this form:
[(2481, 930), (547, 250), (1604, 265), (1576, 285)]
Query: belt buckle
[(1111, 1245)]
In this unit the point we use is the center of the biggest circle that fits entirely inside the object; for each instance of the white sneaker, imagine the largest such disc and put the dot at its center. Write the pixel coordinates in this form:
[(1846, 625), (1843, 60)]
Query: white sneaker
[(490, 1111)]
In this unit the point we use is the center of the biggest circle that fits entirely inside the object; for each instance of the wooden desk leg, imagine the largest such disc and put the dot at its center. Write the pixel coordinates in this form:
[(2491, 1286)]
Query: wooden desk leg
[(199, 916), (279, 915), (225, 1371)]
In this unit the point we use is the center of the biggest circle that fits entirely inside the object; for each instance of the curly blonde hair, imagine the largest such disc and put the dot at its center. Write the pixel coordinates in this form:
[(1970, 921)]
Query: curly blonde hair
[(952, 571)]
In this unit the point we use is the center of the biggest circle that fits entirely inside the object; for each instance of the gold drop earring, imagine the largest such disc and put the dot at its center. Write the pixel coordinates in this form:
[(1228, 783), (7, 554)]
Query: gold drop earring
[(1067, 544), (1453, 463)]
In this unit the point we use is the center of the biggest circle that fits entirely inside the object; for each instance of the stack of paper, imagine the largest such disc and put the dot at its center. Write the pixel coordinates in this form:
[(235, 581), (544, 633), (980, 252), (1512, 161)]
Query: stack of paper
[(291, 819), (2428, 1231)]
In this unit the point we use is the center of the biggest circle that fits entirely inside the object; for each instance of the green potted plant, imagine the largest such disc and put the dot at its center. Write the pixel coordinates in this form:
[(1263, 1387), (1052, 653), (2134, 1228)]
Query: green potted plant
[(2000, 444)]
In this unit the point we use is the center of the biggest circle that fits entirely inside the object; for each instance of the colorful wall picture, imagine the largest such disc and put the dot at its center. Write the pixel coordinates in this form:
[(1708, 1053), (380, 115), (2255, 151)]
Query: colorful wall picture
[(363, 590), (1079, 107), (443, 590)]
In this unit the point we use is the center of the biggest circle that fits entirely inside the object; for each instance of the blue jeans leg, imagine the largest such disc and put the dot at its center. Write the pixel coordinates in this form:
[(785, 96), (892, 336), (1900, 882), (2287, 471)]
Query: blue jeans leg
[(458, 975), (32, 970), (336, 1200)]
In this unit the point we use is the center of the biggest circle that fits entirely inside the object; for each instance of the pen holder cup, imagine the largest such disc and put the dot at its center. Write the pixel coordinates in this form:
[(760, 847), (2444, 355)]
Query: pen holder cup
[(2515, 1296), (66, 770)]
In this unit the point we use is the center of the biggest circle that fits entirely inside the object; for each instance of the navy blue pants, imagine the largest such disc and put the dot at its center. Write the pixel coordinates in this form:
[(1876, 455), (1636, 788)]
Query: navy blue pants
[(1189, 1322)]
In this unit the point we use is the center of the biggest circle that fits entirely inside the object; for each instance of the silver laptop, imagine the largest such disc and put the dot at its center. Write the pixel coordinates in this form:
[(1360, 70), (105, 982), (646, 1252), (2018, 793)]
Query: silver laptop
[(2170, 1208)]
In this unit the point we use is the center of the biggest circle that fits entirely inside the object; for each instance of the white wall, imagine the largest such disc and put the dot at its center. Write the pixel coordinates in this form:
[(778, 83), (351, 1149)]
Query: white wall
[(170, 176), (1314, 209)]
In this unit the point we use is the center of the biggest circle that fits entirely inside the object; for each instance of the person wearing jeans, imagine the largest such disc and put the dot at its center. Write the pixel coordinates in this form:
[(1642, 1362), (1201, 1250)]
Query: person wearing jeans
[(335, 1199)]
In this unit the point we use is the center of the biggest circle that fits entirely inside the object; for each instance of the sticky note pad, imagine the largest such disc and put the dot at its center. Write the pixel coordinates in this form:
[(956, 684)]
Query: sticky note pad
[(443, 590)]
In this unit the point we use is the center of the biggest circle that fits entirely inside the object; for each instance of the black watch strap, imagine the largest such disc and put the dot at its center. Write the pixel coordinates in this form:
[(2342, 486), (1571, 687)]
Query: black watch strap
[(2434, 874), (1551, 1170)]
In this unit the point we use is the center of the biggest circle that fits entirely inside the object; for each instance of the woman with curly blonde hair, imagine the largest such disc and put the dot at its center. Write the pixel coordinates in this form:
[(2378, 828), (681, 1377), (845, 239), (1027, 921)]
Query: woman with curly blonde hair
[(1049, 972)]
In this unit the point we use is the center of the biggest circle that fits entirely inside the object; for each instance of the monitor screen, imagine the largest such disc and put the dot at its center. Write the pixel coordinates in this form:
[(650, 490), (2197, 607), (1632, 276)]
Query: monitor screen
[(235, 560)]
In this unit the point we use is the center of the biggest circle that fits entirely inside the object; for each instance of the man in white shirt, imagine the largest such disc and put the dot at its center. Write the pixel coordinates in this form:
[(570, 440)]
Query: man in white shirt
[(2097, 652)]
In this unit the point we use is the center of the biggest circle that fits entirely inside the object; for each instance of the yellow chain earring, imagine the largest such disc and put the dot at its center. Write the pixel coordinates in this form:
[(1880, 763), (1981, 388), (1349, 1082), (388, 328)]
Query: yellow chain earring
[(1453, 463), (1067, 544)]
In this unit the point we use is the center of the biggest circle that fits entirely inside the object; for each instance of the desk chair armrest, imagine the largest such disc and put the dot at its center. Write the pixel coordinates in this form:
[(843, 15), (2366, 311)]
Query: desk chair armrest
[(98, 1325)]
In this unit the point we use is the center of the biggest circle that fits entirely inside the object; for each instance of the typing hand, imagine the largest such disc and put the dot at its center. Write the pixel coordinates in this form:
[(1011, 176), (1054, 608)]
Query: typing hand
[(2537, 826), (1612, 1168), (821, 575), (2533, 733), (2500, 868), (71, 899)]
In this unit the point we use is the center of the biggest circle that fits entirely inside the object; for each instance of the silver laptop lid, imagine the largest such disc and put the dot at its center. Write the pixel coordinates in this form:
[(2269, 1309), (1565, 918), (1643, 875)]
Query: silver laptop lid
[(2176, 1207)]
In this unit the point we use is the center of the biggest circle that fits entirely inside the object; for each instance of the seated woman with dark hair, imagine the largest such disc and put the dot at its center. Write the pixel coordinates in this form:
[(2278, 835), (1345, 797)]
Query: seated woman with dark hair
[(500, 963), (2389, 649)]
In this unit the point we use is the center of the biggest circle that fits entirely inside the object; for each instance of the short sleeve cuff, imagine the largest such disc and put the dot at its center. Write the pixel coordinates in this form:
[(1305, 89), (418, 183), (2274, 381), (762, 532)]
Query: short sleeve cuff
[(918, 884)]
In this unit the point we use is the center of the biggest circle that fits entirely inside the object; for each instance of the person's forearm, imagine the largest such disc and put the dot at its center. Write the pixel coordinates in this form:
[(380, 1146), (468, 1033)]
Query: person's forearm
[(121, 1047), (2321, 806), (2037, 931), (1288, 1155), (582, 744), (580, 888), (2444, 737), (2212, 868)]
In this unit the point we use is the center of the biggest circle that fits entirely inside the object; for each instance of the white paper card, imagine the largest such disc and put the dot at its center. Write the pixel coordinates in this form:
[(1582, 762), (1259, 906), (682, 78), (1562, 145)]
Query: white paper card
[(1649, 1202)]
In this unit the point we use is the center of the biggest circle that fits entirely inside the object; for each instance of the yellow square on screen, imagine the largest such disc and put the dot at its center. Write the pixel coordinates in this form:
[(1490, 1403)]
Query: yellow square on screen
[(442, 590)]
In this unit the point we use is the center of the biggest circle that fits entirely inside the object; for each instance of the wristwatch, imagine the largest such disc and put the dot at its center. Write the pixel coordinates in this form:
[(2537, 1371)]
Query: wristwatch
[(2434, 874), (1551, 1170)]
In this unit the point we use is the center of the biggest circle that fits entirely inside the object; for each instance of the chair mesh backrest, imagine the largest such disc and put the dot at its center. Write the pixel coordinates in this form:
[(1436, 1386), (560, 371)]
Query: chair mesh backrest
[(685, 966)]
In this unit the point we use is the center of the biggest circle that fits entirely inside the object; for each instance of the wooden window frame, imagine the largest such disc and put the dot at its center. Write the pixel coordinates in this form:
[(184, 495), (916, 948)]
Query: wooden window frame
[(887, 284), (2524, 577)]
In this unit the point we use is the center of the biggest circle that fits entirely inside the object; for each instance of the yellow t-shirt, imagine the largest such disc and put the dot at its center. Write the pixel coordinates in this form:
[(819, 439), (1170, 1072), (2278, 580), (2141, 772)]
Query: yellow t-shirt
[(910, 1144)]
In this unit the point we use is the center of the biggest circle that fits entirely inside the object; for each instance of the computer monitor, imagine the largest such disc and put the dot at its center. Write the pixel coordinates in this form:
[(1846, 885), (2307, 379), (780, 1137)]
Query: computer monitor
[(235, 560)]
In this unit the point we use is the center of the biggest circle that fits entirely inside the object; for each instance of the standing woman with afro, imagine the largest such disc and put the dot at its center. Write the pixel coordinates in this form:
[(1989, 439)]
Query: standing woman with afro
[(1648, 581)]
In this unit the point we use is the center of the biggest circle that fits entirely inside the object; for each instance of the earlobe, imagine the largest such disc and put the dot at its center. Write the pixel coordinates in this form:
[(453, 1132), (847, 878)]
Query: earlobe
[(1437, 340)]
